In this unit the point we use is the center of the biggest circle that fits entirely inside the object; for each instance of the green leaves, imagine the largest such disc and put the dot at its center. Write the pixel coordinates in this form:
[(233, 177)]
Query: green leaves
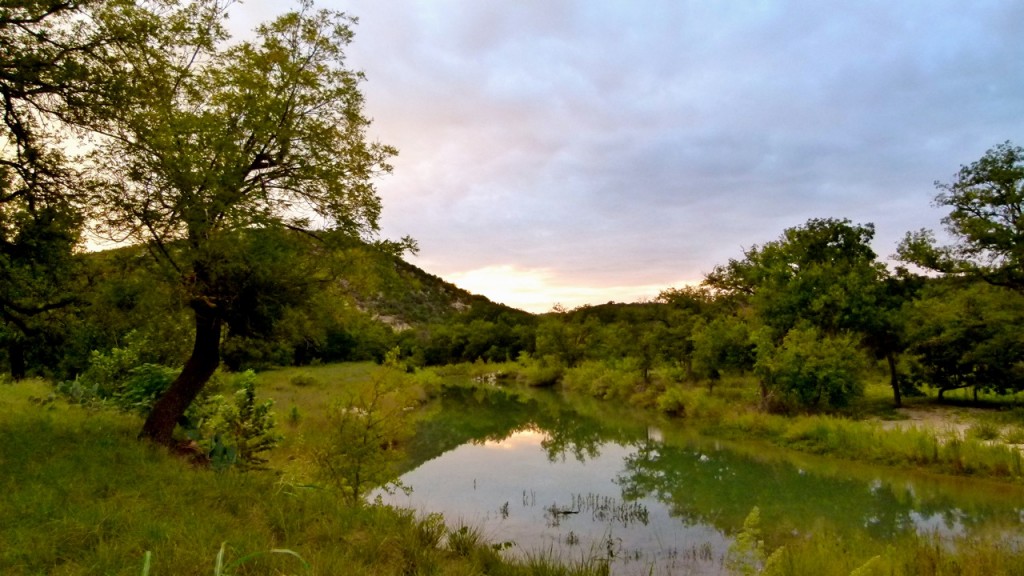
[(815, 369), (817, 294), (986, 201)]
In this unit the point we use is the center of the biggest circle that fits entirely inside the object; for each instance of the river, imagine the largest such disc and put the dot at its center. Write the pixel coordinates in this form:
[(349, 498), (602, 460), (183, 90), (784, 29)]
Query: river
[(584, 480)]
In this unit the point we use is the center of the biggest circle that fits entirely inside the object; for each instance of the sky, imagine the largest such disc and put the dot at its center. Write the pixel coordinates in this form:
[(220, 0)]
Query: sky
[(580, 152)]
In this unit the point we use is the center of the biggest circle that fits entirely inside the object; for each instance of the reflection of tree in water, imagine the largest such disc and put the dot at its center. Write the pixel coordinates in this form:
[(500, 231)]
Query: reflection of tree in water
[(719, 487), (463, 415), (479, 415), (712, 486), (569, 433)]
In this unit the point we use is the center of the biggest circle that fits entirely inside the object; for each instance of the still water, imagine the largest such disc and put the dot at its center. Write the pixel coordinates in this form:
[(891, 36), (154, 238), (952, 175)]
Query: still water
[(581, 480)]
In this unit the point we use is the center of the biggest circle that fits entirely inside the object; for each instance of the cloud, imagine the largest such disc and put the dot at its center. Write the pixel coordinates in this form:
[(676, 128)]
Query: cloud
[(539, 290), (623, 144)]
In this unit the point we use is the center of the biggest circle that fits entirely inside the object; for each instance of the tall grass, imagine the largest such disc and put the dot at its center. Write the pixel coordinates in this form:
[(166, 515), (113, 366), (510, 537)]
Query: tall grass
[(826, 554), (731, 411), (943, 451)]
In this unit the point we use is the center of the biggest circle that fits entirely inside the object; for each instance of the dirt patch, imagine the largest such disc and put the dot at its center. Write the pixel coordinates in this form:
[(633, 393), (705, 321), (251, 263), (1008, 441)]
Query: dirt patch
[(937, 419), (945, 421)]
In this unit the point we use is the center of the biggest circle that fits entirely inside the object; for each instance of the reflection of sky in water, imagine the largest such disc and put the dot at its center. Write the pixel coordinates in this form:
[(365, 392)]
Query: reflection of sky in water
[(472, 484), (510, 490), (949, 523)]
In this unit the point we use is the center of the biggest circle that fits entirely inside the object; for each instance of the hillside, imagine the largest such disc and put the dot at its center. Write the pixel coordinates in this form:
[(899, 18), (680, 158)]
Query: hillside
[(291, 301)]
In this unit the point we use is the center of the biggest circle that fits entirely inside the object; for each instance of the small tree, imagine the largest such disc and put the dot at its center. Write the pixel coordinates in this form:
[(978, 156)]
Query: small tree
[(723, 343), (240, 430), (363, 441)]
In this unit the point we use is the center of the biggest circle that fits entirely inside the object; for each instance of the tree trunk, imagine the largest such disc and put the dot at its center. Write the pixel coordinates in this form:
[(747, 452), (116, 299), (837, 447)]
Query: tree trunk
[(170, 407), (16, 356), (894, 380)]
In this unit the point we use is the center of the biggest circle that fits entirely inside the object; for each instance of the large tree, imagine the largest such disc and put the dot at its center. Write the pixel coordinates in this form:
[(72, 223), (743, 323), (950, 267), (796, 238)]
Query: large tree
[(59, 71), (223, 139), (967, 335), (986, 221), (823, 276)]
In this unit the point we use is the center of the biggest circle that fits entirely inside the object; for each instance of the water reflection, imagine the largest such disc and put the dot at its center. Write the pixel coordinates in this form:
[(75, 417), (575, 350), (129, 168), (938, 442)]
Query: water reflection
[(586, 481)]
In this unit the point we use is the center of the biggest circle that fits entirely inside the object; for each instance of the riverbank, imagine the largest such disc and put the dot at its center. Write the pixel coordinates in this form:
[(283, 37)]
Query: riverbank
[(945, 438), (83, 496)]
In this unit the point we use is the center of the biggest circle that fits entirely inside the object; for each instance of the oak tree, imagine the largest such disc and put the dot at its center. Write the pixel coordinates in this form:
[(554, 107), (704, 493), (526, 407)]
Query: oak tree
[(986, 221), (822, 276), (222, 140)]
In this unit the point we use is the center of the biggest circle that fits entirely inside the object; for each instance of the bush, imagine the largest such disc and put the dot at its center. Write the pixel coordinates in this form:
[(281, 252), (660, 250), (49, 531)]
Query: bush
[(984, 431), (608, 380), (362, 446), (119, 378), (143, 386), (674, 401), (546, 371), (239, 431), (813, 369), (302, 380)]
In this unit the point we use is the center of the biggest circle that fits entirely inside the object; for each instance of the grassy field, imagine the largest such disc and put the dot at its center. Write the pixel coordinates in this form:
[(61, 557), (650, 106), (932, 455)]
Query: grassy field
[(82, 496)]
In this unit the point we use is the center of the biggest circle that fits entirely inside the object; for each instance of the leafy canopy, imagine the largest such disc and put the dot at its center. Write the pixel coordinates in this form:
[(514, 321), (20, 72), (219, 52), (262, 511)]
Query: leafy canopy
[(986, 221)]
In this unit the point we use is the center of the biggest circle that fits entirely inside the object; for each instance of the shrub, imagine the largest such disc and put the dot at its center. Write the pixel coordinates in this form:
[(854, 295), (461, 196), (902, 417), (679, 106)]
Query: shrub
[(362, 445), (609, 380), (815, 369), (143, 385), (984, 431), (303, 379), (239, 431), (545, 371), (673, 401)]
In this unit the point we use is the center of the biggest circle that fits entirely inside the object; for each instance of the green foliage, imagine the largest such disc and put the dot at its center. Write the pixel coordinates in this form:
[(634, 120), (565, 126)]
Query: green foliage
[(237, 431), (121, 378), (984, 431), (539, 372), (722, 344), (680, 401), (362, 445), (823, 273), (207, 165), (822, 276), (811, 368), (566, 338), (609, 380), (60, 73), (746, 553), (674, 401), (82, 497), (825, 553), (985, 200), (464, 540), (220, 568), (1015, 435), (967, 336)]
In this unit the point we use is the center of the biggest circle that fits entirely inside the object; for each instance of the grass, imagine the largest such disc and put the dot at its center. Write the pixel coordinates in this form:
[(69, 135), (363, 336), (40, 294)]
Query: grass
[(827, 554), (83, 496)]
